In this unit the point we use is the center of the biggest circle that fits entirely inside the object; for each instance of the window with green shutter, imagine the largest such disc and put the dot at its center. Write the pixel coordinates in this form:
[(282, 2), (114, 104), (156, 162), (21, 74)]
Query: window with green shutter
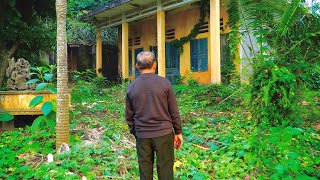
[(172, 62), (199, 55)]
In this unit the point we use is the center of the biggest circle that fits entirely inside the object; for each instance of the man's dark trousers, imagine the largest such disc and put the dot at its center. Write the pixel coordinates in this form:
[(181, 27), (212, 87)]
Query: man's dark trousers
[(163, 148)]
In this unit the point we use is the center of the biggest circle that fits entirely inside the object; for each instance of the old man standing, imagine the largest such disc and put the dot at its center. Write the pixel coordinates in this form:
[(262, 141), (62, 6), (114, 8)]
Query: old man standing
[(153, 118)]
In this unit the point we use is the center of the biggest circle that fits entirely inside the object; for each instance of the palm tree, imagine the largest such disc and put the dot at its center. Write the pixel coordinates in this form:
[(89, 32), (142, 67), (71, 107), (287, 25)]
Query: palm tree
[(277, 35), (274, 24), (62, 128)]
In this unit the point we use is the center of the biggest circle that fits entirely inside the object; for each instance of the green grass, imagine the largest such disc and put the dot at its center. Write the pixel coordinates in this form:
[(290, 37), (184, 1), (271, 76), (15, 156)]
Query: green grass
[(221, 141)]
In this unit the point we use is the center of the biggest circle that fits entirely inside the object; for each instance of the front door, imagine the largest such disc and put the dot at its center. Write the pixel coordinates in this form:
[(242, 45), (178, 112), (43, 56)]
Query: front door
[(172, 63), (130, 62), (154, 49), (136, 52)]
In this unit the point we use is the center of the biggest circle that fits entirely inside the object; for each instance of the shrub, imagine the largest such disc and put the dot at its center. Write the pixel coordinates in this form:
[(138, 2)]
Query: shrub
[(314, 78), (272, 94)]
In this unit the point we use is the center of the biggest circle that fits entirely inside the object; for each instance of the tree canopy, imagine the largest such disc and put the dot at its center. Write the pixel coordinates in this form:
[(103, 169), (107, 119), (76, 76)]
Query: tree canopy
[(29, 25), (80, 32)]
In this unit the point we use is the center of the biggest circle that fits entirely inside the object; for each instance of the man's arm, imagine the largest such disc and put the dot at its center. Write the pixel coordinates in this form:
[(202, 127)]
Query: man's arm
[(129, 115), (174, 111), (176, 119)]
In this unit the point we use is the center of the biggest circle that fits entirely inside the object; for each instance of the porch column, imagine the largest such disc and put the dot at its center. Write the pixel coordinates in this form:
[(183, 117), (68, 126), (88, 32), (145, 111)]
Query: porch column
[(98, 52), (215, 41), (125, 51), (161, 36)]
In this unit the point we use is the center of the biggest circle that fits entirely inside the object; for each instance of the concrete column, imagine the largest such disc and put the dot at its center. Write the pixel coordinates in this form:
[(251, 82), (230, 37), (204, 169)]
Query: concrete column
[(161, 36), (215, 68), (124, 51), (98, 52)]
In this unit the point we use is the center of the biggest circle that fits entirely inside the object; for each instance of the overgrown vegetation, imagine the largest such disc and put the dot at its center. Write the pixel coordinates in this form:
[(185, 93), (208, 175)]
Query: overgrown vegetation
[(266, 130), (26, 29), (220, 136), (84, 33), (281, 42)]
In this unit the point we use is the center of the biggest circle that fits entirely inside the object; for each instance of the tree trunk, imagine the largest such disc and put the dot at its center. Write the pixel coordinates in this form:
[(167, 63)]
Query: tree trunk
[(3, 66), (62, 127), (4, 57)]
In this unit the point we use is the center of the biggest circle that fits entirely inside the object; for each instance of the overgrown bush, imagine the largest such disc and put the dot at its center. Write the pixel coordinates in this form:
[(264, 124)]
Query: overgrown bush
[(210, 96), (271, 98), (87, 75), (87, 84), (221, 142), (267, 153), (314, 78)]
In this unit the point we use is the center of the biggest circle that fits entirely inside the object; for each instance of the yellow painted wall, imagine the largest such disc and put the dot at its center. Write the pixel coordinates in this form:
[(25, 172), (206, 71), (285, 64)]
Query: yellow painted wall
[(183, 21), (146, 29), (17, 102)]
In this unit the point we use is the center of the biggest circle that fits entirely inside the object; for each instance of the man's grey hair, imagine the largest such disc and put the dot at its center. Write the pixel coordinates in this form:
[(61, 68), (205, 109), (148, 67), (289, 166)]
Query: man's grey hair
[(145, 60)]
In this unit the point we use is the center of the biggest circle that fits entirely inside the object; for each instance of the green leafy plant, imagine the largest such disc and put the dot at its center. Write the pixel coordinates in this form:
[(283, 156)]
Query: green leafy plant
[(48, 119), (219, 138), (87, 75), (313, 81), (87, 84), (26, 33), (272, 94), (180, 80), (192, 82), (4, 116), (45, 78), (100, 82), (281, 45), (79, 32)]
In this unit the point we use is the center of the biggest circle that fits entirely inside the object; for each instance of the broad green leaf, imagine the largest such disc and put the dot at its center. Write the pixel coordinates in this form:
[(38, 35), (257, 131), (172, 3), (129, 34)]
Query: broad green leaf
[(32, 81), (240, 153), (54, 103), (190, 138), (37, 123), (45, 70), (213, 120), (52, 89), (213, 146), (46, 108), (286, 136), (6, 117), (294, 131), (34, 68), (48, 76), (305, 177), (41, 86), (199, 176), (35, 101), (281, 169), (51, 121), (32, 73), (223, 119)]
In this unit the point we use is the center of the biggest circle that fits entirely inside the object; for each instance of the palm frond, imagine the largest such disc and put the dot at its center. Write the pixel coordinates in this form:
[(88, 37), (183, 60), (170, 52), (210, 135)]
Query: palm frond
[(292, 14)]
